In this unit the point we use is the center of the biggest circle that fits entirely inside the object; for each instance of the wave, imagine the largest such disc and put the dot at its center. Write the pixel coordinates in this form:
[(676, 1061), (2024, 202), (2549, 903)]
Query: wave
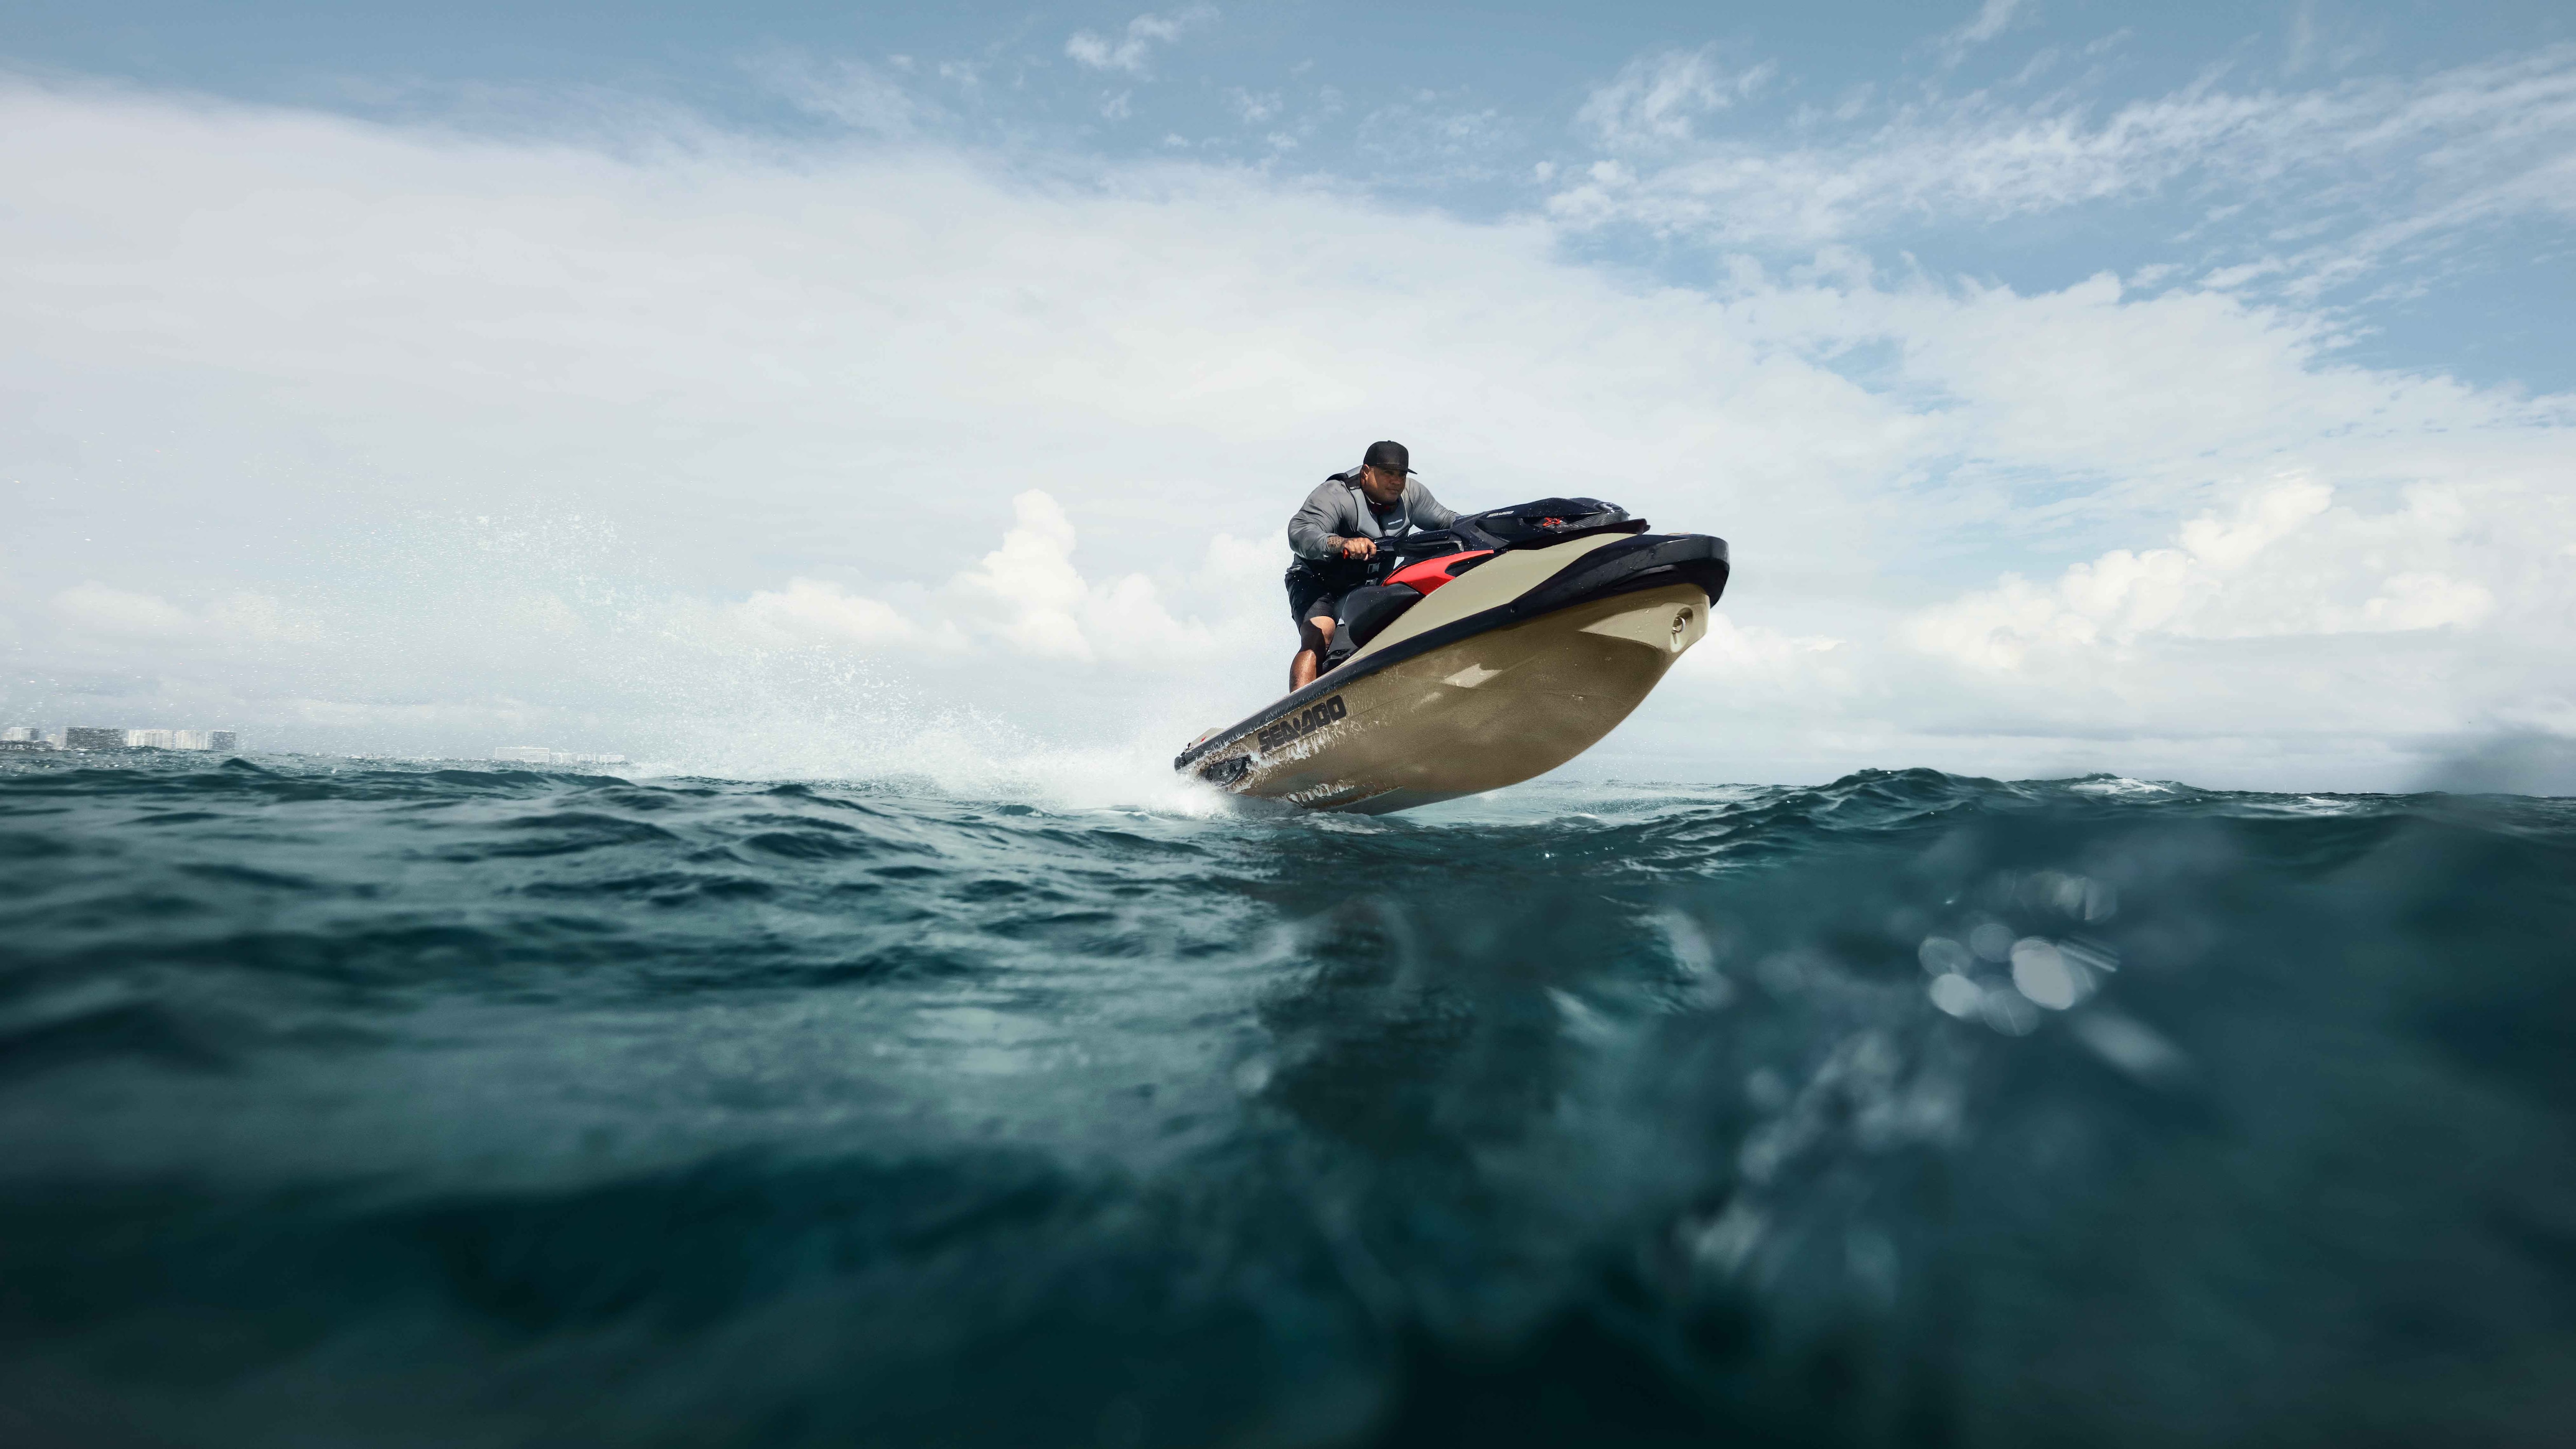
[(378, 1102)]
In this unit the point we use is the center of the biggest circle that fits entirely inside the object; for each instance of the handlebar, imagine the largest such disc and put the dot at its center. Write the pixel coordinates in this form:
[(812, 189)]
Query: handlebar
[(1395, 553)]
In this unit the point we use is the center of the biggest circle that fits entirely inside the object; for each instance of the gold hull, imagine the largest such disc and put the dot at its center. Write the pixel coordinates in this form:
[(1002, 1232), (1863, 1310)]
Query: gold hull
[(1486, 711)]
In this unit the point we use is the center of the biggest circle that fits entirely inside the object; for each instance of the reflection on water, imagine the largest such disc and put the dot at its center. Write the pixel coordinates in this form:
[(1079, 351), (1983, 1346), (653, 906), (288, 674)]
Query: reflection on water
[(413, 1106)]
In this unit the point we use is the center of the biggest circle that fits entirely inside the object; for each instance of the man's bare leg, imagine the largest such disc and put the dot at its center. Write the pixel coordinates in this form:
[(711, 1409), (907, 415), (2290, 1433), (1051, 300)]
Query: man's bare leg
[(1313, 638)]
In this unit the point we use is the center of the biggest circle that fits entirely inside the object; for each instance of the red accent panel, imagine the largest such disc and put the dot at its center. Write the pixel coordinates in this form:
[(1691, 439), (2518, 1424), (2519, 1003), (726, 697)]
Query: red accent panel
[(1431, 573)]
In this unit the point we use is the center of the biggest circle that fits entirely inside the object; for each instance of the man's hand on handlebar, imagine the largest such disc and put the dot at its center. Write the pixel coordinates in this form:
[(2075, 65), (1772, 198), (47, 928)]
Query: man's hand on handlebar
[(1359, 548)]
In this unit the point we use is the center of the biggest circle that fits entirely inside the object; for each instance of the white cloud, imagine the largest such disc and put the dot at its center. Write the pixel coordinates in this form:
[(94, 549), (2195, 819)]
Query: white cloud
[(121, 614), (1730, 647), (1990, 21), (105, 610), (1130, 51), (257, 618), (2427, 601), (1045, 608), (2286, 564), (812, 610), (1754, 665), (1031, 578), (850, 91), (2366, 172), (1025, 598), (1660, 98), (1425, 142), (815, 383), (2310, 42)]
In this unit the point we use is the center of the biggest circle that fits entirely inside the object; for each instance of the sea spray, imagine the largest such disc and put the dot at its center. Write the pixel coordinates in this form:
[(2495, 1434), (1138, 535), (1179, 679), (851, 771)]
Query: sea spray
[(446, 635)]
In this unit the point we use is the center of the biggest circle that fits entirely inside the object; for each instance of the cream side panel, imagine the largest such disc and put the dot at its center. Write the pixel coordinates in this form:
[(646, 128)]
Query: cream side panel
[(1659, 624), (1488, 585)]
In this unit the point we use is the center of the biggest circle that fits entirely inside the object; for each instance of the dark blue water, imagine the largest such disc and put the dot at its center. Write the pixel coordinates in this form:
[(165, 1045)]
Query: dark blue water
[(358, 1104)]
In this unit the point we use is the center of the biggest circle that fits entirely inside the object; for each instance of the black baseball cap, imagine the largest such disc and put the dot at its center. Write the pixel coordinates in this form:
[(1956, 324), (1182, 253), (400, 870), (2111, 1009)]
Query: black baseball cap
[(1388, 456)]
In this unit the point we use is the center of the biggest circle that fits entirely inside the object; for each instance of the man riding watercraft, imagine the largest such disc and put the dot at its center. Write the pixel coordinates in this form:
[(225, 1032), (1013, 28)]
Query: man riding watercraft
[(1335, 535), (1495, 646)]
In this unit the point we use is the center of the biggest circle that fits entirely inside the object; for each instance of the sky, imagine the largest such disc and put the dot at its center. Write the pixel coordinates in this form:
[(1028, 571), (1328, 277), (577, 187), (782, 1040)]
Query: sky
[(2182, 392)]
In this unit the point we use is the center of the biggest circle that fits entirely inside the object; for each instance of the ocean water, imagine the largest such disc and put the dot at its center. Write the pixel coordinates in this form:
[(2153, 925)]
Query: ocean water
[(367, 1103)]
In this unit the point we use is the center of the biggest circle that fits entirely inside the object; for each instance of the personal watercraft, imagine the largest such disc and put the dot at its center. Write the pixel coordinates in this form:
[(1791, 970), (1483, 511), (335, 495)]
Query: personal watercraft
[(1480, 656)]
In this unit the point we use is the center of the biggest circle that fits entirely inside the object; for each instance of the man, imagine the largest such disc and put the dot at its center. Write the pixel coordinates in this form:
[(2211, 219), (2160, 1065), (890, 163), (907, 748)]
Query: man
[(1336, 534)]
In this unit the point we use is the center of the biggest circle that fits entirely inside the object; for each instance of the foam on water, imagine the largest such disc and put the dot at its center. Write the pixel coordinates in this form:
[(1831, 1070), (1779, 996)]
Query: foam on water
[(2119, 785)]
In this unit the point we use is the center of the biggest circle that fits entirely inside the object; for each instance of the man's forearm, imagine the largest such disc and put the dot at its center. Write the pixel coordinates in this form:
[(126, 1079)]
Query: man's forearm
[(1307, 539)]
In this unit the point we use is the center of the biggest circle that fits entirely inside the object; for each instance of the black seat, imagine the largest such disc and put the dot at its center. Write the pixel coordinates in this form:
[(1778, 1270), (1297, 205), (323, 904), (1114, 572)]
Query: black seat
[(1364, 615)]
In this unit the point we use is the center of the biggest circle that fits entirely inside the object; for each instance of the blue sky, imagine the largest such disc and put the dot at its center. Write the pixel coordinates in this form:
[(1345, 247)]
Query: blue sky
[(2183, 391), (1456, 106)]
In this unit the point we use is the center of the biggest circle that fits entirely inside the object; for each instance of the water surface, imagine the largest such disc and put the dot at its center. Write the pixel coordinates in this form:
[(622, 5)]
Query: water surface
[(356, 1103)]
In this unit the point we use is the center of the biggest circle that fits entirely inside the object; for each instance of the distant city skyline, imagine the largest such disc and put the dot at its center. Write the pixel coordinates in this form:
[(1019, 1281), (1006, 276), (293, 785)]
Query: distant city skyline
[(118, 737), (540, 755)]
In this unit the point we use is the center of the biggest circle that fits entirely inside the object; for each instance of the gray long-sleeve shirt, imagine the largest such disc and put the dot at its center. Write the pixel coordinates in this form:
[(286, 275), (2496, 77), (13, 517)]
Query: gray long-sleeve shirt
[(1337, 508)]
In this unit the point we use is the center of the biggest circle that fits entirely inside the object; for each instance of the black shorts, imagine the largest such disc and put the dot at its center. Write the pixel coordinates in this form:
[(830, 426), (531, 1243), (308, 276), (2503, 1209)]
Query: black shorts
[(1312, 596)]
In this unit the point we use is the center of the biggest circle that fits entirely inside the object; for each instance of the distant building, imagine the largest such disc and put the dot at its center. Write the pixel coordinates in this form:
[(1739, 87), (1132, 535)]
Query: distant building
[(534, 755), (93, 737), (23, 740)]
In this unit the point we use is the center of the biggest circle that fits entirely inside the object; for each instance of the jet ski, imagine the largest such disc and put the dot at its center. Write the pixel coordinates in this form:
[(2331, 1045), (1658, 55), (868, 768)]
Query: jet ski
[(1480, 656)]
